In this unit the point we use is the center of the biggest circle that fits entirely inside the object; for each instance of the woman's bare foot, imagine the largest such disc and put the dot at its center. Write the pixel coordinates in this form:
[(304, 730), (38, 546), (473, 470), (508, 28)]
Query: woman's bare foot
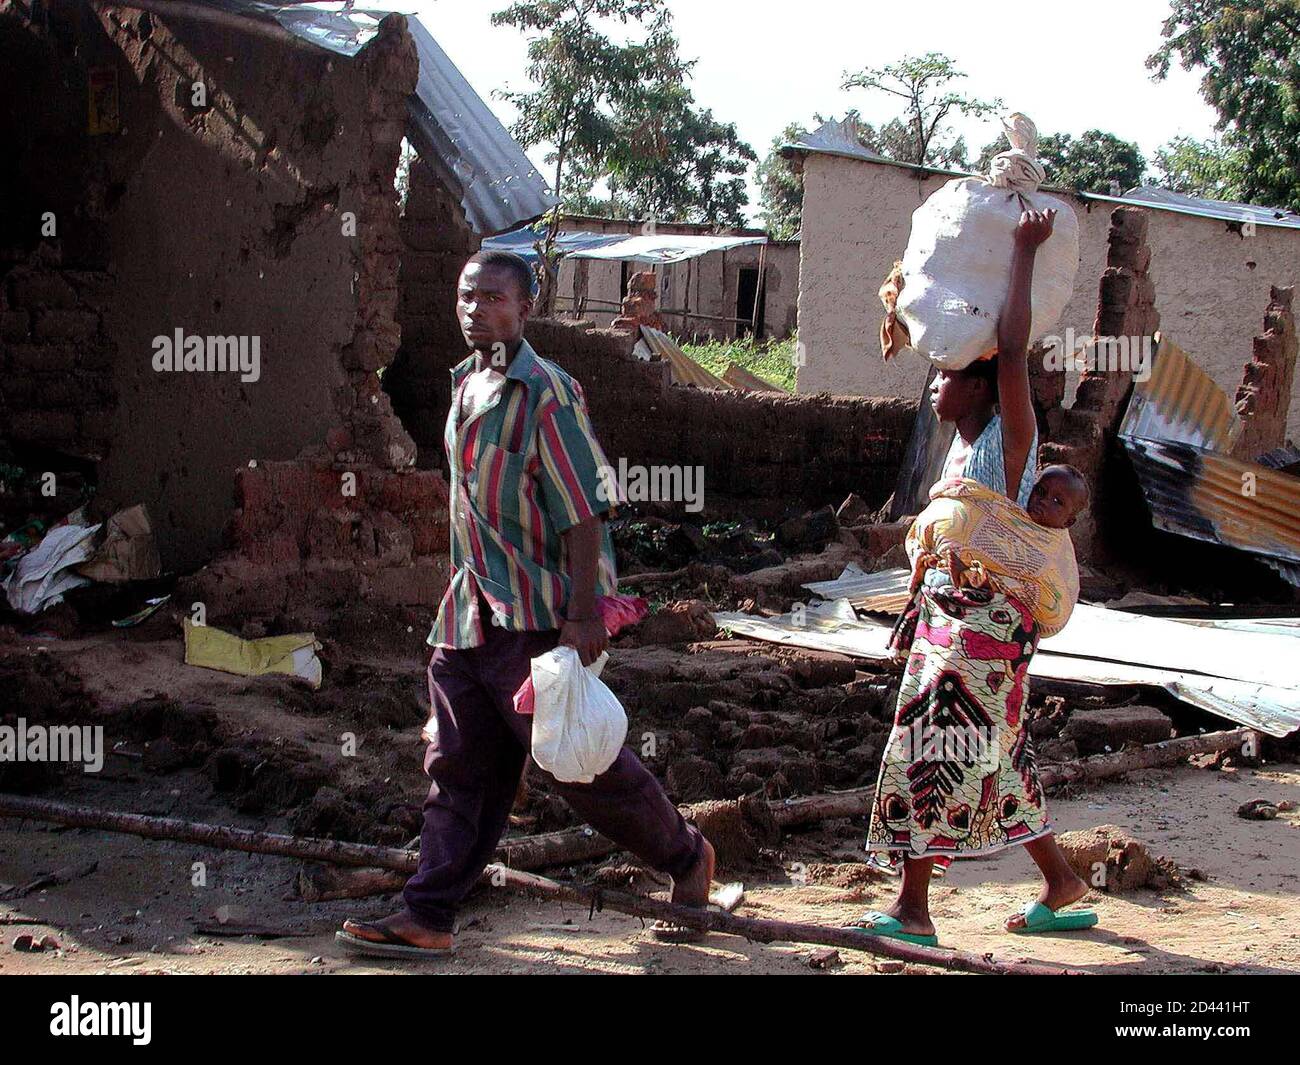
[(1055, 895), (403, 928)]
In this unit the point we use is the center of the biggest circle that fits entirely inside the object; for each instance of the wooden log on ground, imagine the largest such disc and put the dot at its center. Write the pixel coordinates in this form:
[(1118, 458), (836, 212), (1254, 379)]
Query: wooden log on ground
[(763, 930), (1166, 752), (857, 801), (360, 854)]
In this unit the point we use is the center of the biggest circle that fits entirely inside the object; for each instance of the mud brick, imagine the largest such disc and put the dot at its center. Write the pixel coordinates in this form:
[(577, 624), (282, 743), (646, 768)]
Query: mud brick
[(43, 426), (420, 584), (34, 289), (15, 325), (42, 358), (66, 325)]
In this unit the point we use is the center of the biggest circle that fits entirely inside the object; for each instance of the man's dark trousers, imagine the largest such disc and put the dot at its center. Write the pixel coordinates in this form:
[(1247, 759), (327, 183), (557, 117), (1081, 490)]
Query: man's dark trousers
[(474, 761)]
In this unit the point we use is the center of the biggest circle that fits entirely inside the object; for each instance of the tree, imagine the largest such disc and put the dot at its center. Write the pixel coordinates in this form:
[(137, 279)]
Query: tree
[(781, 188), (582, 76), (677, 162), (1248, 50), (1093, 162), (922, 83), (1211, 168)]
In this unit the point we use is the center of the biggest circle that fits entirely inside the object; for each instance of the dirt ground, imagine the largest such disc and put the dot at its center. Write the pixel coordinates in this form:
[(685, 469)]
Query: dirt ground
[(1234, 909)]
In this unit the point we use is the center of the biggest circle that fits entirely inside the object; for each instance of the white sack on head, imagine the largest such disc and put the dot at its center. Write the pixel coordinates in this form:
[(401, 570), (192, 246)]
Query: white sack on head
[(957, 267)]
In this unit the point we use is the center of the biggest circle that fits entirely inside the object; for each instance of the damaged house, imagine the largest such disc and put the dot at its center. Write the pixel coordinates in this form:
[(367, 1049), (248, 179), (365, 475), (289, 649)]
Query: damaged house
[(192, 188)]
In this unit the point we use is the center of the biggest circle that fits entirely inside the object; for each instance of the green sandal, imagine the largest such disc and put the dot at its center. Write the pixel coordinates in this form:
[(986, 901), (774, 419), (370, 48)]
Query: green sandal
[(1038, 918), (875, 923)]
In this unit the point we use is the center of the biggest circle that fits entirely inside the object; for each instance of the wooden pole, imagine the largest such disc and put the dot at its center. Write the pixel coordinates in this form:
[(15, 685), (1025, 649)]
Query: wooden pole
[(758, 290), (762, 930), (755, 929)]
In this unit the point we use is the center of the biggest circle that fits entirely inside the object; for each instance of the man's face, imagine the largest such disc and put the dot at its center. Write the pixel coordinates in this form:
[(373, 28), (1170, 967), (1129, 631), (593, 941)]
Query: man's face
[(490, 307), (1056, 500), (954, 394)]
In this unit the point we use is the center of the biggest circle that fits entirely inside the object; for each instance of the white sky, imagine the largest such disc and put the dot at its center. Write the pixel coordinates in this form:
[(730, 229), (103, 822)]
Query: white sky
[(765, 63)]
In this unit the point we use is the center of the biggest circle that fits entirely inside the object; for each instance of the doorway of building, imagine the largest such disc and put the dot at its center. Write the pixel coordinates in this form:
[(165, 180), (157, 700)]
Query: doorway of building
[(746, 288)]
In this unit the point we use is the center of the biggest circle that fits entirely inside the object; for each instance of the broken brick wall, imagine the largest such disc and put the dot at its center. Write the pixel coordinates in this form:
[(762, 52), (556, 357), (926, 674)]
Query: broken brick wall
[(1084, 434), (227, 215), (55, 354), (772, 451), (436, 241), (1264, 398)]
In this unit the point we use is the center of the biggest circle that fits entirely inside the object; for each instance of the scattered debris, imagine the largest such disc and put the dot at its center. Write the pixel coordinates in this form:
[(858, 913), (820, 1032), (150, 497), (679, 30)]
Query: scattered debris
[(1258, 810), (824, 958), (213, 649)]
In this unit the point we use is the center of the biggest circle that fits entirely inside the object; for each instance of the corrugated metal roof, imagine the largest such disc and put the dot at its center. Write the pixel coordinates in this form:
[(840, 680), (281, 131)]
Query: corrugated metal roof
[(498, 187), (1180, 402), (839, 138), (1226, 210)]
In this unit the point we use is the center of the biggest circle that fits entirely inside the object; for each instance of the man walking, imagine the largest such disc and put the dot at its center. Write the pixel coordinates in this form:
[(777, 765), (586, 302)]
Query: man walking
[(530, 553)]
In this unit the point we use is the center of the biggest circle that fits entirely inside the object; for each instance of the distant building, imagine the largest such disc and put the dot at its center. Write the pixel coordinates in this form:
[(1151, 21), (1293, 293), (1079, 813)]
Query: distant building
[(1212, 266)]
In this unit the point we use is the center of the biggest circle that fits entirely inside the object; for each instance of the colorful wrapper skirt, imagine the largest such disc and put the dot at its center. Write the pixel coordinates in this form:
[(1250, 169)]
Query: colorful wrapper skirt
[(958, 778)]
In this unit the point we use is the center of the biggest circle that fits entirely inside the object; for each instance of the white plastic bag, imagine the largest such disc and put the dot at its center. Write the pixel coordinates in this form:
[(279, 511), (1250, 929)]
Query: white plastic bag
[(578, 724), (957, 266)]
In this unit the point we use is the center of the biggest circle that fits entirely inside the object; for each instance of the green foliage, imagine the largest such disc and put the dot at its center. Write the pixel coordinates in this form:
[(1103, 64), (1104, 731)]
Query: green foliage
[(1212, 168), (781, 188), (919, 135), (772, 360), (622, 112), (1093, 162), (1250, 53)]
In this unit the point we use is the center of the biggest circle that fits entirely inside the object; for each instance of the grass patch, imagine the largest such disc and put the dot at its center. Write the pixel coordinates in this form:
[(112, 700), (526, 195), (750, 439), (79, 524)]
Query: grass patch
[(772, 360)]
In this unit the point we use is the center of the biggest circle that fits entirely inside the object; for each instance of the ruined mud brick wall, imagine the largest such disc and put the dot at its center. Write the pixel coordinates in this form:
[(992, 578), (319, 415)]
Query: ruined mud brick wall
[(436, 241), (1084, 434), (227, 219), (306, 534), (1264, 399), (770, 450), (55, 355)]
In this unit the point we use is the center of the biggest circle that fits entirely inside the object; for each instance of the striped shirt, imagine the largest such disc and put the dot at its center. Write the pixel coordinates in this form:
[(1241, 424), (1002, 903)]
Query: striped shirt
[(525, 467)]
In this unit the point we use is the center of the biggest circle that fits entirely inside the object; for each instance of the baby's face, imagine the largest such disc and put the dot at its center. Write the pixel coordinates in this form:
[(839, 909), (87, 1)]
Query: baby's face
[(1056, 500)]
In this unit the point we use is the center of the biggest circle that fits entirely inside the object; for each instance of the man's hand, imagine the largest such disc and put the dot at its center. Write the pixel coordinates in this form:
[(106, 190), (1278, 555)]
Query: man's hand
[(588, 638), (1034, 228)]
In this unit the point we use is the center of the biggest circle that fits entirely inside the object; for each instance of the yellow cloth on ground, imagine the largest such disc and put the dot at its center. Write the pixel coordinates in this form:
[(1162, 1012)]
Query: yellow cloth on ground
[(213, 649), (1001, 545)]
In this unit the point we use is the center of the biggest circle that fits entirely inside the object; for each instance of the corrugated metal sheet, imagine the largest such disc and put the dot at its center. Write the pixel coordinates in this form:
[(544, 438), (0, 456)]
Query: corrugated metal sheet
[(1225, 210), (686, 371), (498, 187), (1240, 674), (738, 377), (1180, 402), (1201, 494), (883, 592)]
